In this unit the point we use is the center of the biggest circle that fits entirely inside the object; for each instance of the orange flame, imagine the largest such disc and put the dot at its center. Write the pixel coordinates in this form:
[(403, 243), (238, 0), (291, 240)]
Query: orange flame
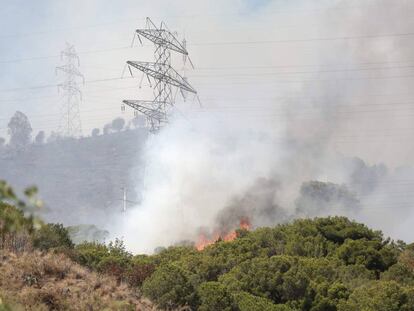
[(245, 223), (204, 241)]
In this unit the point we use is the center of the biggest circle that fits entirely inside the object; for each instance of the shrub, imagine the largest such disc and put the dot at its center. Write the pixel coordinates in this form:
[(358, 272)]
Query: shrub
[(90, 254), (114, 266), (15, 228), (214, 296), (249, 302), (170, 287), (380, 296), (362, 252), (52, 236), (399, 273), (137, 273)]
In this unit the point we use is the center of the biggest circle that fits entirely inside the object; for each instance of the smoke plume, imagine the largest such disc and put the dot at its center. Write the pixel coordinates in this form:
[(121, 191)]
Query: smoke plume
[(255, 158)]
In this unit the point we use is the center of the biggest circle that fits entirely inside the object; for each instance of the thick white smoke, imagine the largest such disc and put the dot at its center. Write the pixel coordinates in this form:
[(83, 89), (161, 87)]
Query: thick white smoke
[(292, 90), (192, 170), (339, 108)]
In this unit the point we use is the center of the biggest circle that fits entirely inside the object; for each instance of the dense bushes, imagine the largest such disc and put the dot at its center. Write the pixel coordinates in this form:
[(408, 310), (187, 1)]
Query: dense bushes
[(214, 296), (322, 264), (16, 228), (113, 259), (380, 296), (171, 287), (52, 236), (19, 232)]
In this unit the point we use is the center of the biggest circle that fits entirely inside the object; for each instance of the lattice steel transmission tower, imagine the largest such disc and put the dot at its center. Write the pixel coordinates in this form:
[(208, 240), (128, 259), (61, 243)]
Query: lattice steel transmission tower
[(70, 122), (163, 75)]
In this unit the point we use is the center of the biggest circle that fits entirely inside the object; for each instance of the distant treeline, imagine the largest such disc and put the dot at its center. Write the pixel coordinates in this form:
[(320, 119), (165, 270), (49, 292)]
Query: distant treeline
[(80, 179)]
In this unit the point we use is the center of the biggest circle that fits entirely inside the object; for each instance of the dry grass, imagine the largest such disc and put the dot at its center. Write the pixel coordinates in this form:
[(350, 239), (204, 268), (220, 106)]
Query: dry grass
[(49, 281)]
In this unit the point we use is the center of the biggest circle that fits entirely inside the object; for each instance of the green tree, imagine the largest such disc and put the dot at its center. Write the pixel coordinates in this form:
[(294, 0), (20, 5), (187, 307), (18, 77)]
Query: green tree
[(362, 252), (380, 296), (51, 236), (268, 278), (214, 296), (90, 254), (406, 258), (16, 227), (399, 273), (40, 138), (118, 124), (249, 302), (19, 130), (170, 287)]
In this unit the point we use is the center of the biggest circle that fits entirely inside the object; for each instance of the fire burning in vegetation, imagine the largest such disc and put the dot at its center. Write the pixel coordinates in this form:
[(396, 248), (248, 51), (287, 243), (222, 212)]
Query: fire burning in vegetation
[(204, 240)]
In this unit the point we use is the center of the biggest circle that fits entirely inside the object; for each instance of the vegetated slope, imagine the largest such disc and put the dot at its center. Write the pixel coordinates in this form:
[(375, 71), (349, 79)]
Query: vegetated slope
[(325, 264), (321, 264), (79, 179), (36, 281), (36, 274)]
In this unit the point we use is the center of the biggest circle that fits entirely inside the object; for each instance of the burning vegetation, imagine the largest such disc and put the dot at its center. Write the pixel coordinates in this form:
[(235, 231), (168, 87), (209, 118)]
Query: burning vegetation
[(221, 234)]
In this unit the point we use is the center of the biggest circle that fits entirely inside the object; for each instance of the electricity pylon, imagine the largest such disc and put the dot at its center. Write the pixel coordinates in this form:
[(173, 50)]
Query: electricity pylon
[(165, 77), (70, 122)]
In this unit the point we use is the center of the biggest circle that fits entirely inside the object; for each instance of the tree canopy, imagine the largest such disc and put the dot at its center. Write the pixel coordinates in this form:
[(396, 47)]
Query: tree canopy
[(20, 130)]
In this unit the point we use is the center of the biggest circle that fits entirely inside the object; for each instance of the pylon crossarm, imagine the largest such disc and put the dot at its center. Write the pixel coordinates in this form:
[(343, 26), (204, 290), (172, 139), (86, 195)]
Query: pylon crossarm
[(69, 54), (150, 109), (69, 87), (163, 73), (70, 70), (163, 38)]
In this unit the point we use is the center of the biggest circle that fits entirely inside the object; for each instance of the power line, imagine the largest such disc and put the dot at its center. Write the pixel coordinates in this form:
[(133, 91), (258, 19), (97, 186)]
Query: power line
[(264, 108), (357, 37), (213, 99), (68, 29), (301, 72), (296, 116), (55, 85), (332, 80), (190, 16), (234, 43), (304, 65), (17, 60), (225, 83)]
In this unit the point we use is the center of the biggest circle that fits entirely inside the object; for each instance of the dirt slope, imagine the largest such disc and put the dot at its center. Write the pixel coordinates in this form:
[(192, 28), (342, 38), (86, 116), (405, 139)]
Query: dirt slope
[(36, 281)]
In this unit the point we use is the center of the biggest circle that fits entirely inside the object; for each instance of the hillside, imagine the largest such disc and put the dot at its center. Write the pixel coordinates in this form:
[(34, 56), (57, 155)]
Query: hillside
[(36, 281), (80, 179), (320, 264), (324, 264)]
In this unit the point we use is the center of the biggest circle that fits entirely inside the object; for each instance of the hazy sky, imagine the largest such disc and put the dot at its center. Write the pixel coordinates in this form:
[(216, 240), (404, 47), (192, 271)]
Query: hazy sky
[(324, 78), (249, 55), (34, 32)]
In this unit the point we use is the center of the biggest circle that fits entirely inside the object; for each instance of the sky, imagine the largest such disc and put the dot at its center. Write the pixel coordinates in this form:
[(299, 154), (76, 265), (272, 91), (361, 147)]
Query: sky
[(287, 86), (247, 54), (34, 33)]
